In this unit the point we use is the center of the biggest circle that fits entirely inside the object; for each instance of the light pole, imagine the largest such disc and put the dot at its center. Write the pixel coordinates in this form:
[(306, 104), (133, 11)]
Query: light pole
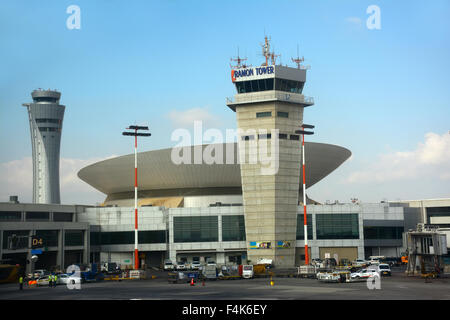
[(136, 134), (305, 224)]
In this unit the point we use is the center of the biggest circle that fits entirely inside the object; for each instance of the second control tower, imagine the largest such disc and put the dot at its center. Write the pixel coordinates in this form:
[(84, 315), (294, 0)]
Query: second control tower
[(46, 117), (269, 108)]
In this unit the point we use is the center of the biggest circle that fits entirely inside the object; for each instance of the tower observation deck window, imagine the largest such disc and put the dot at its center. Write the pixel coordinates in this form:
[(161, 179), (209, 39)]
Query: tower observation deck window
[(254, 85), (43, 120), (289, 86), (45, 99)]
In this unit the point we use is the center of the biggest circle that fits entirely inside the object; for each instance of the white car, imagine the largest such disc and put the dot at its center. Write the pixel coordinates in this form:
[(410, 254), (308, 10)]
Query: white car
[(359, 263), (384, 269), (168, 265), (42, 281), (68, 278), (181, 266), (195, 265), (364, 274)]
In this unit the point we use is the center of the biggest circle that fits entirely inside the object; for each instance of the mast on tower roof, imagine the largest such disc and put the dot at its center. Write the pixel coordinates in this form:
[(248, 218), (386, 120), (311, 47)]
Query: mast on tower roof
[(239, 61), (298, 60)]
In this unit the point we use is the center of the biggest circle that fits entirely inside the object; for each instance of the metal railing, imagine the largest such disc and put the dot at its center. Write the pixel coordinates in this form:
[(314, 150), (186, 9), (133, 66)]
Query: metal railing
[(274, 95)]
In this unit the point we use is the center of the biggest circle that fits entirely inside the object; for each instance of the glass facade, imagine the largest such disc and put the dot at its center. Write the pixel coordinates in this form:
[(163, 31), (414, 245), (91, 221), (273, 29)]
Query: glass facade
[(268, 84), (196, 229), (22, 238), (254, 85), (37, 216), (337, 226), (383, 232), (10, 216), (233, 228), (301, 229), (127, 237), (289, 85), (62, 216), (73, 238), (50, 237), (438, 212)]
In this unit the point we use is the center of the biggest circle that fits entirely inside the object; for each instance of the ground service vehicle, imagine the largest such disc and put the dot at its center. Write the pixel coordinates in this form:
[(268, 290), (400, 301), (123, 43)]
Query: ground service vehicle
[(210, 271), (9, 273), (247, 272), (384, 269), (42, 281), (168, 265)]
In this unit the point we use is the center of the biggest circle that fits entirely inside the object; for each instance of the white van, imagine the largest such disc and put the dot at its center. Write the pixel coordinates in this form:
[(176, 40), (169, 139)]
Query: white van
[(247, 271)]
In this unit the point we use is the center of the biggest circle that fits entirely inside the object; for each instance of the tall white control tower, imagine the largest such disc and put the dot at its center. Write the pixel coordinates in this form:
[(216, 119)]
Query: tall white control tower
[(46, 118)]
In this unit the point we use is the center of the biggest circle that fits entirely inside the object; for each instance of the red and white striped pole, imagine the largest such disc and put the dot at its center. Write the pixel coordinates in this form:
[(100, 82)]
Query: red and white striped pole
[(305, 222), (136, 252), (136, 232)]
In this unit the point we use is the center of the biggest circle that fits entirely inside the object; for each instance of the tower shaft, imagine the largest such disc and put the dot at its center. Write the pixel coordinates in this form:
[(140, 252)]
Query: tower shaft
[(45, 115)]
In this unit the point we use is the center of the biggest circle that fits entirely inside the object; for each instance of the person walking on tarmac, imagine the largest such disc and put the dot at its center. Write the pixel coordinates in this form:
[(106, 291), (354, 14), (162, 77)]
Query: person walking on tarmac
[(55, 278), (21, 282), (50, 280)]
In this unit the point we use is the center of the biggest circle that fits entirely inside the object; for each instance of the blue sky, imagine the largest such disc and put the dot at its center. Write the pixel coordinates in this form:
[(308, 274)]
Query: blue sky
[(384, 94)]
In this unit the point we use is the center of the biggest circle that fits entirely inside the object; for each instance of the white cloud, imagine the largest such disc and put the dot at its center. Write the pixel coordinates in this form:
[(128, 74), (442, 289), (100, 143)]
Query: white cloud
[(186, 118), (17, 179), (430, 160)]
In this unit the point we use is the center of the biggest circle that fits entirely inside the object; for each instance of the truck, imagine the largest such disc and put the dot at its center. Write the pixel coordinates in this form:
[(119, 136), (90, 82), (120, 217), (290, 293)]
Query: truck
[(210, 272)]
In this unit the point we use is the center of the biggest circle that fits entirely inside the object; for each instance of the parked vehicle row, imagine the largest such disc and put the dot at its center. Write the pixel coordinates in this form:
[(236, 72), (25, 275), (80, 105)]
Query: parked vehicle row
[(183, 266)]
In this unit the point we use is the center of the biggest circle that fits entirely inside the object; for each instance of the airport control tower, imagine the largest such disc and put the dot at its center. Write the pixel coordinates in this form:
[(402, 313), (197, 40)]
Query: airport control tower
[(46, 118), (269, 109)]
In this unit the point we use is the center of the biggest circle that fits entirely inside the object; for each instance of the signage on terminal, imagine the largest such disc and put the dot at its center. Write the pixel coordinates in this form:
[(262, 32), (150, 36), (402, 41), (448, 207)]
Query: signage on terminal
[(258, 71), (260, 245)]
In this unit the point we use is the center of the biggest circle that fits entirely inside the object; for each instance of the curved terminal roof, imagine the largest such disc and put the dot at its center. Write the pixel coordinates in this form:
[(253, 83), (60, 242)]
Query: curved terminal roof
[(157, 171)]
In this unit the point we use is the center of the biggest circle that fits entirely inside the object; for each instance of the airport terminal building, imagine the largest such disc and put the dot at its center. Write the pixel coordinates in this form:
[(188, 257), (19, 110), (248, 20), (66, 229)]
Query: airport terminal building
[(85, 234), (237, 208)]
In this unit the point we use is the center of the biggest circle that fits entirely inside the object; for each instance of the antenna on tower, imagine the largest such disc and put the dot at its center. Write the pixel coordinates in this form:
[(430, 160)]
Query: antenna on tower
[(266, 49), (298, 60), (239, 61)]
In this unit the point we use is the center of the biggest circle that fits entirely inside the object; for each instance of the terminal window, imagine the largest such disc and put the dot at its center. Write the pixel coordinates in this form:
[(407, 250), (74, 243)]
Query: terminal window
[(10, 215), (233, 228), (50, 237), (337, 226), (383, 232), (196, 229), (301, 228)]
